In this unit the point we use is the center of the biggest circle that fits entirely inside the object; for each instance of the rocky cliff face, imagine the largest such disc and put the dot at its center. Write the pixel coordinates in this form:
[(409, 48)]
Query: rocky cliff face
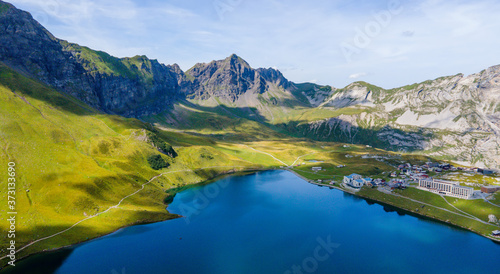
[(258, 94), (456, 116), (231, 78), (29, 48), (130, 86)]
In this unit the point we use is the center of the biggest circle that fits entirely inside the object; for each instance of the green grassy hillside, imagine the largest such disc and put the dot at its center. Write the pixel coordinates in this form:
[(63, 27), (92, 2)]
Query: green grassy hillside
[(137, 67), (73, 162), (75, 165)]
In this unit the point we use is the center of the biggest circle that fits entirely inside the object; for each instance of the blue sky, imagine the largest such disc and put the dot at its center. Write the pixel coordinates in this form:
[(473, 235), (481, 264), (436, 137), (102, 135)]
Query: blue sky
[(387, 43)]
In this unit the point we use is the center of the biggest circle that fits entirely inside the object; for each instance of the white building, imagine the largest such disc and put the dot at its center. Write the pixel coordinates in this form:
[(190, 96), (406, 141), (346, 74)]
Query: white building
[(356, 180), (448, 188)]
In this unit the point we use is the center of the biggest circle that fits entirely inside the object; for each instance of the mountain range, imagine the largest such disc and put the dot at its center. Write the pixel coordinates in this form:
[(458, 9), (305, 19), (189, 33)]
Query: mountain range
[(454, 117), (100, 142)]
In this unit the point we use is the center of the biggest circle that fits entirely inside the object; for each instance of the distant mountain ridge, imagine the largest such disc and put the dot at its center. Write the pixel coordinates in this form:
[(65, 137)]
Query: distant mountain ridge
[(131, 87), (455, 117)]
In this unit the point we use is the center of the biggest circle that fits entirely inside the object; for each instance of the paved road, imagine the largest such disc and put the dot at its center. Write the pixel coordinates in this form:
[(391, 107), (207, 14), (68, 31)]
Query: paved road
[(463, 215), (491, 203), (459, 209)]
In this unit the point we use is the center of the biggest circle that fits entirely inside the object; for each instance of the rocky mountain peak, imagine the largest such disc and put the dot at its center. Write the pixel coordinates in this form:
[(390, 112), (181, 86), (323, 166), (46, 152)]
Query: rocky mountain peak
[(235, 65), (236, 61), (28, 47), (176, 68), (231, 78), (133, 86), (4, 7), (18, 22), (274, 76)]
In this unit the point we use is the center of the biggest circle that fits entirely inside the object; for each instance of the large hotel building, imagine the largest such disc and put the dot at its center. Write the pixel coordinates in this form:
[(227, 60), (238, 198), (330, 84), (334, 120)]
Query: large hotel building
[(453, 189)]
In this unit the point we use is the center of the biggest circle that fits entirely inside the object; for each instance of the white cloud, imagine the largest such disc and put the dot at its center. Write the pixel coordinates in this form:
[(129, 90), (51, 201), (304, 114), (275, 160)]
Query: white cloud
[(357, 75)]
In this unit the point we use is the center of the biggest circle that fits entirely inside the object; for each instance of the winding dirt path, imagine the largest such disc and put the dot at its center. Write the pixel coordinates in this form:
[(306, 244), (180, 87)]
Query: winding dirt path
[(115, 206)]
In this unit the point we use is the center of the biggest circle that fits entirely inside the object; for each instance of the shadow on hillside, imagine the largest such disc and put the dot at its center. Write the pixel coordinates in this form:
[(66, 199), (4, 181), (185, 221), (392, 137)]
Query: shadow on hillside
[(51, 261), (46, 261), (27, 88), (103, 188), (333, 130), (23, 86), (225, 123), (386, 137), (230, 119), (250, 113)]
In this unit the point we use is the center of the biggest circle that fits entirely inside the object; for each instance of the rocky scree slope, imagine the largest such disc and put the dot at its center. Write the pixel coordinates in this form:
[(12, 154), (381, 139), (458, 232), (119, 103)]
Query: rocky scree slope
[(456, 116)]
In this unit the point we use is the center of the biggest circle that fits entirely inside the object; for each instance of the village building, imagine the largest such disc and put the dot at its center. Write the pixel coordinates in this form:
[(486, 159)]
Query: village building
[(448, 188), (490, 189), (431, 164), (495, 233), (420, 176), (356, 180), (378, 182), (485, 171)]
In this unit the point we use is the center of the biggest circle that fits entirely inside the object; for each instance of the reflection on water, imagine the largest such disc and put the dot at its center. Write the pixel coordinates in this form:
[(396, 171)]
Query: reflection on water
[(349, 196)]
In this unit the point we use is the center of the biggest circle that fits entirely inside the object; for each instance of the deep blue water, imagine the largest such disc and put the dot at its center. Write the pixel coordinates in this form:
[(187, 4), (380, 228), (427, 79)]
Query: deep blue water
[(274, 222)]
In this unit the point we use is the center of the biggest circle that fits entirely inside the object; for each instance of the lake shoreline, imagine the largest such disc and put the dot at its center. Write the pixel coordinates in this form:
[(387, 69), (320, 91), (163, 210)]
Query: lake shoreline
[(410, 212), (170, 216), (65, 252)]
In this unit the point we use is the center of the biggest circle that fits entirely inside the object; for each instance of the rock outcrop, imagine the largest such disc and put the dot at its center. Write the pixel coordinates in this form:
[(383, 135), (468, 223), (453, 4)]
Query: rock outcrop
[(232, 77), (131, 87)]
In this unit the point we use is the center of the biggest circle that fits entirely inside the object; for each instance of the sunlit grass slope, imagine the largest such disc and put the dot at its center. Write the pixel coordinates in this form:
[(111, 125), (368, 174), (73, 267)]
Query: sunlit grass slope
[(73, 162)]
